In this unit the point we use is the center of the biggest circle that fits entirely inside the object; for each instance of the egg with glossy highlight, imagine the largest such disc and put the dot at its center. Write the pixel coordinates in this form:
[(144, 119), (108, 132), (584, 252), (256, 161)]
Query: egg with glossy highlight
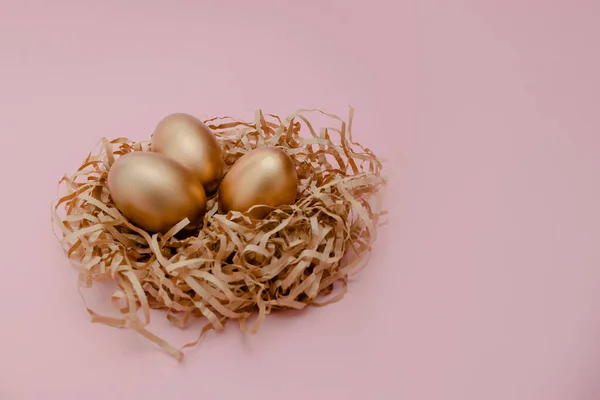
[(155, 192), (265, 176), (187, 140)]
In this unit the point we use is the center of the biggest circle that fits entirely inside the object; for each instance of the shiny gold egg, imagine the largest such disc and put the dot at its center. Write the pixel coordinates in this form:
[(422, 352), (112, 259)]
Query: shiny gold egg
[(187, 140), (264, 176), (155, 192)]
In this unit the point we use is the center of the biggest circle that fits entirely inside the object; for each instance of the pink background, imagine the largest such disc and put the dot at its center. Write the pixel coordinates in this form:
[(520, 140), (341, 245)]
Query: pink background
[(486, 282)]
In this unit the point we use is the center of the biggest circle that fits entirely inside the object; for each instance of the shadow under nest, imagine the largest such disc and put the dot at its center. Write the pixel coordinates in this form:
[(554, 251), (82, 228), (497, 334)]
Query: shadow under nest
[(232, 267)]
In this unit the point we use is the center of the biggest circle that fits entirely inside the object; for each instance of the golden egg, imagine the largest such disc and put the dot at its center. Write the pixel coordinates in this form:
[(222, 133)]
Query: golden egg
[(190, 142), (154, 192), (264, 176)]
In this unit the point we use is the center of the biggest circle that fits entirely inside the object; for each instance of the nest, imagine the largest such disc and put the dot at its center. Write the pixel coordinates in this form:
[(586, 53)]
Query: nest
[(233, 267)]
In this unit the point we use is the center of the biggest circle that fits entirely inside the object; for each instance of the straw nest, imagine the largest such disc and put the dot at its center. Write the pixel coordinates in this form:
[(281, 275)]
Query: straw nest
[(233, 267)]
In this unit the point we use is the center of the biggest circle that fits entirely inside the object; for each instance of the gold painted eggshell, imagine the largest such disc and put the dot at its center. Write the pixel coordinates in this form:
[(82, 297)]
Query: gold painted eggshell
[(155, 192), (187, 140), (264, 176)]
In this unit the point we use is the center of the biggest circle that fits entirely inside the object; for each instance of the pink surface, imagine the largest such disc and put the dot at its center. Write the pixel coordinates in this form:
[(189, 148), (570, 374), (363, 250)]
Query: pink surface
[(486, 282)]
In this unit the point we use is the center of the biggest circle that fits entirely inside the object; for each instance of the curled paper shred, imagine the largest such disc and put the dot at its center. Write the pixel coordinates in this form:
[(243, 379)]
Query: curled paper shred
[(233, 267)]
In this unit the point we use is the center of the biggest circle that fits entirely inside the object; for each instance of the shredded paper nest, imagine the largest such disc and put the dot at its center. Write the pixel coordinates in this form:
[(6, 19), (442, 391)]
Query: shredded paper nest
[(233, 267)]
